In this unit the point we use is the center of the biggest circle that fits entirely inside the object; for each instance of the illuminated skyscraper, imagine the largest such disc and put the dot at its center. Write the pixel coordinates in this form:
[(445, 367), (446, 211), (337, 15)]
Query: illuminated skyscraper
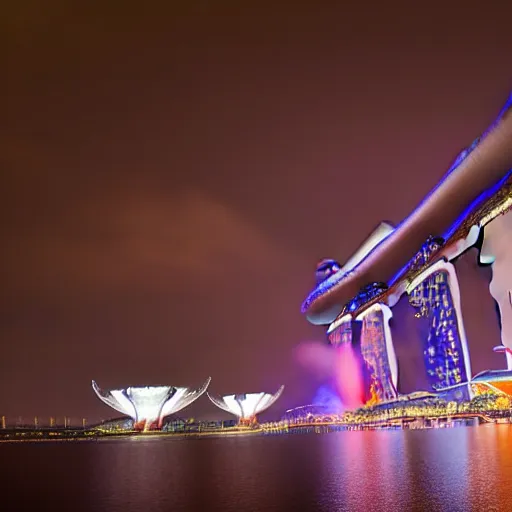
[(470, 205), (435, 293), (378, 353), (148, 406), (370, 337)]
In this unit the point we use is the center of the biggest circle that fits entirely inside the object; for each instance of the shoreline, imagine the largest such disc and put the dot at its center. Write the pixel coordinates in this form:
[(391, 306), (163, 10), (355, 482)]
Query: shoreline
[(299, 428)]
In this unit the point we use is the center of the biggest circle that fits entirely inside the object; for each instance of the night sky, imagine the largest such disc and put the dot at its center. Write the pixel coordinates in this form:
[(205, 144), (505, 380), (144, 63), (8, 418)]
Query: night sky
[(172, 175)]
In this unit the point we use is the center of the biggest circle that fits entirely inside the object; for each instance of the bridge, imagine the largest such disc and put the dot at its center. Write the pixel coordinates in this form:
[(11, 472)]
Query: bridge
[(397, 421)]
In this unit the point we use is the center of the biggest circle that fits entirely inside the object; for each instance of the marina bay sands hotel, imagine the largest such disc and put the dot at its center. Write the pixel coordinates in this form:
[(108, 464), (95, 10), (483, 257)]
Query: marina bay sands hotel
[(471, 207)]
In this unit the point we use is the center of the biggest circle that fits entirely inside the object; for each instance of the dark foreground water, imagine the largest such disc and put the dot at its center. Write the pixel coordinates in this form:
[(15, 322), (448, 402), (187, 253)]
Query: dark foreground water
[(461, 469)]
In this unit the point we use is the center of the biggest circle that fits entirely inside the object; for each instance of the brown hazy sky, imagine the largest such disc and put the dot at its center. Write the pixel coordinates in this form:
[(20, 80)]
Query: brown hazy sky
[(171, 175)]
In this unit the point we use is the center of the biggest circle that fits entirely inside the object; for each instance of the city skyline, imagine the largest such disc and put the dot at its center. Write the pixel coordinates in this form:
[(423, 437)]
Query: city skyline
[(168, 194)]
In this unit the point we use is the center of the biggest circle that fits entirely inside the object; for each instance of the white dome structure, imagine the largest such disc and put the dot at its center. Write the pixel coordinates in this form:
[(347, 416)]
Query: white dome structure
[(149, 405), (246, 406)]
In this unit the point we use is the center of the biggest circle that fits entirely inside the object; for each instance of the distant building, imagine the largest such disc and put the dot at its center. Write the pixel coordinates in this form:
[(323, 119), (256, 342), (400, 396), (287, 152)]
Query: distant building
[(494, 382), (148, 406), (246, 406), (304, 412), (122, 424)]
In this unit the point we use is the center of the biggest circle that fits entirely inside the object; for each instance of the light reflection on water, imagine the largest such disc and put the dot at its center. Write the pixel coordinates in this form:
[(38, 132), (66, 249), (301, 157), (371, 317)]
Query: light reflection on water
[(459, 469), (363, 470)]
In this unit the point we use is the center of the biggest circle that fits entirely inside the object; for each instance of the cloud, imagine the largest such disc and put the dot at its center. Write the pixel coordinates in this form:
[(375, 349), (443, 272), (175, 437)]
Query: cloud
[(197, 233), (138, 238)]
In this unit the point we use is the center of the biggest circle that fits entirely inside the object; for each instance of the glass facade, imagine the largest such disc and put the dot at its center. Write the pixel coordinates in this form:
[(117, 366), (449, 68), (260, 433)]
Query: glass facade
[(443, 348), (370, 338)]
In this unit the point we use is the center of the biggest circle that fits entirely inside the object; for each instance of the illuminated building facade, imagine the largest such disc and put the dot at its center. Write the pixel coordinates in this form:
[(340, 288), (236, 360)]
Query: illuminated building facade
[(371, 338), (246, 406), (340, 332), (473, 199), (443, 353), (435, 295), (494, 382), (378, 353), (148, 406)]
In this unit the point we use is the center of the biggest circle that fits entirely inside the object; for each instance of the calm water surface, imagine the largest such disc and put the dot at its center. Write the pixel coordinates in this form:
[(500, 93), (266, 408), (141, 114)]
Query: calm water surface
[(462, 469)]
